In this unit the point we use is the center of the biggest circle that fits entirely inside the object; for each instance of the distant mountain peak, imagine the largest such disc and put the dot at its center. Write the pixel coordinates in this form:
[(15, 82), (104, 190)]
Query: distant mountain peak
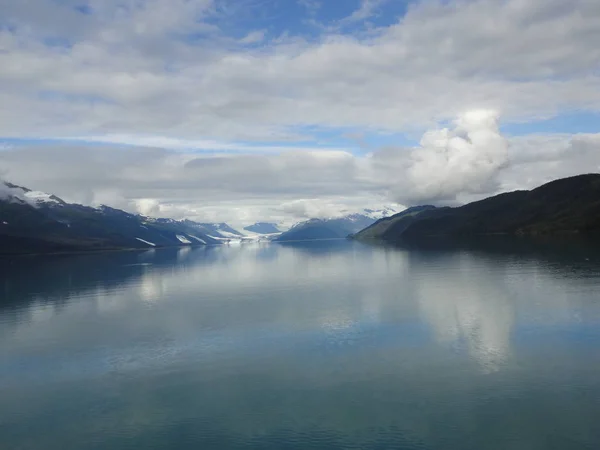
[(37, 222), (566, 206), (21, 194), (376, 214), (263, 228), (221, 229)]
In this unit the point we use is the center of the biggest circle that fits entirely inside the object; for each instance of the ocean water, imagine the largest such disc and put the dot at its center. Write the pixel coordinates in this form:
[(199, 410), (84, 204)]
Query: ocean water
[(328, 345)]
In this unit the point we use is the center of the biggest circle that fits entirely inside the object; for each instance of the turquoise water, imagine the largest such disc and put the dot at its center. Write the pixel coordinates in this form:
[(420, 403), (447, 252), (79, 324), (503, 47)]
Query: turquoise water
[(308, 346)]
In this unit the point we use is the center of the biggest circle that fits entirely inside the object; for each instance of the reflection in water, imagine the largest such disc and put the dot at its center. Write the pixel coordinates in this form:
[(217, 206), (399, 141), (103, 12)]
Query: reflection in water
[(470, 308), (317, 345)]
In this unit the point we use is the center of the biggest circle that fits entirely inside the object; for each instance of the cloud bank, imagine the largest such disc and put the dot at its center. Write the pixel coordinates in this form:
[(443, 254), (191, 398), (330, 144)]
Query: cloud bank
[(193, 69), (469, 160)]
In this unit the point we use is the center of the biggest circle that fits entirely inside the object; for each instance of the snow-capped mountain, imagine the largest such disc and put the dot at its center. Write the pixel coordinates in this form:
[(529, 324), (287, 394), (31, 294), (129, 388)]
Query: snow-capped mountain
[(263, 228), (335, 227), (36, 222), (221, 229), (377, 214), (218, 231), (19, 194)]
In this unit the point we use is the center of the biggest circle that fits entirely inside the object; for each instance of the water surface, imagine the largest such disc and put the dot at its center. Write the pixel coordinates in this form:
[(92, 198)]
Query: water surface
[(306, 346)]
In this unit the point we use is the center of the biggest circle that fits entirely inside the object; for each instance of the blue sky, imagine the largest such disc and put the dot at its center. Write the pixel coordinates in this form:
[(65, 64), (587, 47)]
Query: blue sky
[(400, 102)]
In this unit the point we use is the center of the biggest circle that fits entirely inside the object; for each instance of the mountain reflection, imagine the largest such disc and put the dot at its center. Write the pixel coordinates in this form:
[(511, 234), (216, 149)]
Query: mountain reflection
[(465, 291)]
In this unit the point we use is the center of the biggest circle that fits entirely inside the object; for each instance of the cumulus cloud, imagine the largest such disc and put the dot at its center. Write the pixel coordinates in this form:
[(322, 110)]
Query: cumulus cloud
[(448, 163), (148, 207)]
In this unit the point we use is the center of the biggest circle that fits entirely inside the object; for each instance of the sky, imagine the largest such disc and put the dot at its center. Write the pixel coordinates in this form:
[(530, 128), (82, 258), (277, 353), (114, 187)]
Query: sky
[(282, 110)]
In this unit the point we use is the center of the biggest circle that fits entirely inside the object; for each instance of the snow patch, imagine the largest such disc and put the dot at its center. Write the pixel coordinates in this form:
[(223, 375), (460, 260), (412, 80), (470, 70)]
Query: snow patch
[(146, 242), (381, 213), (226, 240), (202, 241), (183, 239), (228, 234), (40, 197)]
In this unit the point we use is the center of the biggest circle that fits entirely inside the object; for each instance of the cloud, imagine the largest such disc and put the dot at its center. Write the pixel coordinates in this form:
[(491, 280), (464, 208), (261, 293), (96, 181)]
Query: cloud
[(466, 159), (476, 315), (464, 162), (16, 195), (314, 209), (177, 69), (538, 159), (148, 207), (197, 121), (254, 37), (365, 11)]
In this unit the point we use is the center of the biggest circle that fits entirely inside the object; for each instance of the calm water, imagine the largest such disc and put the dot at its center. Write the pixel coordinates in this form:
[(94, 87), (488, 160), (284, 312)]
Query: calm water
[(321, 346)]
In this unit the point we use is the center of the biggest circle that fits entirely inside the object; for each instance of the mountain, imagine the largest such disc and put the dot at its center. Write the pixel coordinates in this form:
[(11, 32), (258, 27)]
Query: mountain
[(336, 228), (36, 222), (569, 205), (379, 213), (379, 228), (221, 230), (263, 228), (22, 195)]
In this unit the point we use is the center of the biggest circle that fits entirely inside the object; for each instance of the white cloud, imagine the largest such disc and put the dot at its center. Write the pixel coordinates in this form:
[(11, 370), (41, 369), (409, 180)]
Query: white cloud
[(451, 162), (467, 162), (199, 145), (538, 159), (365, 11), (254, 37), (313, 208), (16, 195), (165, 68), (148, 207)]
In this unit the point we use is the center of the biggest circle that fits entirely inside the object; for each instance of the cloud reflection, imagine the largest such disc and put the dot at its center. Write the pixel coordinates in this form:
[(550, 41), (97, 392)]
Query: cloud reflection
[(468, 308)]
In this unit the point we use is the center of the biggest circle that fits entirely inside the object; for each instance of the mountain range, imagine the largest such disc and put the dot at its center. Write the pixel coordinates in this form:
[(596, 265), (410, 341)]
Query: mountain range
[(36, 222), (333, 228), (263, 228), (565, 206)]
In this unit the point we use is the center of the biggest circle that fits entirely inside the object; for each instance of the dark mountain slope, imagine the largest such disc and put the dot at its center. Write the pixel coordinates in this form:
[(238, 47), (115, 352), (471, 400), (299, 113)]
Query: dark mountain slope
[(46, 223), (570, 205), (381, 226), (315, 229)]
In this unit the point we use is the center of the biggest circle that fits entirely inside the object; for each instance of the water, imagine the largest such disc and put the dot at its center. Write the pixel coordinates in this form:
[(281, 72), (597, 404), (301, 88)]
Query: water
[(333, 345)]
